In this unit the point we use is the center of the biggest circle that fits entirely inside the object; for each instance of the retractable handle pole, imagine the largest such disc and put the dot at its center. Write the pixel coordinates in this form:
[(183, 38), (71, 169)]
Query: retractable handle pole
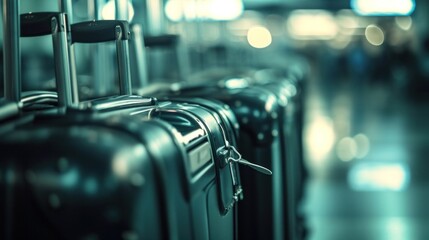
[(138, 55), (121, 13), (121, 10), (155, 17), (122, 51), (157, 27), (12, 50), (100, 54), (60, 34), (65, 6)]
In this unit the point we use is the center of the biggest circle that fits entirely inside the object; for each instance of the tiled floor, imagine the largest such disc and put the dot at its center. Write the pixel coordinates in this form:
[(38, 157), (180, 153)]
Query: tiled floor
[(367, 148)]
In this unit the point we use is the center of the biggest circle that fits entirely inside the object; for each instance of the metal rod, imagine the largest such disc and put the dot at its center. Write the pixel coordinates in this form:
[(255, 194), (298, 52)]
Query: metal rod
[(139, 55), (61, 56), (11, 48), (121, 10), (183, 62), (121, 13), (100, 55), (122, 51), (155, 17), (66, 7)]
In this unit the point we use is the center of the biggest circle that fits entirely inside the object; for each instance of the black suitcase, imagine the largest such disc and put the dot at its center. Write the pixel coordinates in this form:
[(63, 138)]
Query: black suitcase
[(229, 156), (69, 191), (86, 178), (202, 200), (287, 87), (220, 219), (287, 84), (258, 111)]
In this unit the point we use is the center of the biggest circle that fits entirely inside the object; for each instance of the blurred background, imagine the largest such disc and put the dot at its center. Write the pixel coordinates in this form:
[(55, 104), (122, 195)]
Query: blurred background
[(365, 71)]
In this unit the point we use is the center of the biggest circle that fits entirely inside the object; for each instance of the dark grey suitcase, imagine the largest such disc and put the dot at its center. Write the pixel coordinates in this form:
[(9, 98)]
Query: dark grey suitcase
[(287, 88), (260, 116), (288, 85), (258, 111), (220, 220), (74, 177), (87, 178)]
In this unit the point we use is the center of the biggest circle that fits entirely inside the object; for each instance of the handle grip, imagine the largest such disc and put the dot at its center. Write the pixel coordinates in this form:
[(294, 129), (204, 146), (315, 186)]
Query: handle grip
[(100, 31), (40, 23), (168, 40)]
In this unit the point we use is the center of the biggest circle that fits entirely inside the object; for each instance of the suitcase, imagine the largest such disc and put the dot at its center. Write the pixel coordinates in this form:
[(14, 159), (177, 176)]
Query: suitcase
[(204, 202), (258, 113), (293, 83), (71, 191), (287, 89), (221, 194), (288, 86), (101, 180), (228, 152)]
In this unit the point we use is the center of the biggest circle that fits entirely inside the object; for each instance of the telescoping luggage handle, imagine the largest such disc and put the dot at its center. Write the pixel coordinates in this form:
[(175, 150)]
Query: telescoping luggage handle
[(104, 31), (55, 24), (98, 31)]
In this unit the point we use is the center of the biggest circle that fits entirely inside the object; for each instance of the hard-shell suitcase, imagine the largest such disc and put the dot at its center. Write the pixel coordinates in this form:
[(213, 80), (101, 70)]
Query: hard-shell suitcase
[(258, 113), (74, 177), (214, 215), (287, 89), (203, 95), (85, 178), (257, 110), (288, 85)]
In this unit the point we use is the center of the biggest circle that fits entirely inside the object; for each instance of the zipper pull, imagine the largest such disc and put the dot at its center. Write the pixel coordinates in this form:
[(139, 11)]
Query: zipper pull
[(256, 167), (235, 156)]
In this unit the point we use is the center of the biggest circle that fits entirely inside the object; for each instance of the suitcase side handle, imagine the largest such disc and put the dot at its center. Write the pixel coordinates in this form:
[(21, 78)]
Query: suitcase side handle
[(104, 31)]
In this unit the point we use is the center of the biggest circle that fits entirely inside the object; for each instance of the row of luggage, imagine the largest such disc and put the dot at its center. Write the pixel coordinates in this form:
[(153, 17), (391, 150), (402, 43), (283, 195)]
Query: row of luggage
[(212, 159)]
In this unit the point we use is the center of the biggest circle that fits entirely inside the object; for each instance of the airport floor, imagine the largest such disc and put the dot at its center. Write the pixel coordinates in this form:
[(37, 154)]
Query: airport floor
[(366, 148)]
